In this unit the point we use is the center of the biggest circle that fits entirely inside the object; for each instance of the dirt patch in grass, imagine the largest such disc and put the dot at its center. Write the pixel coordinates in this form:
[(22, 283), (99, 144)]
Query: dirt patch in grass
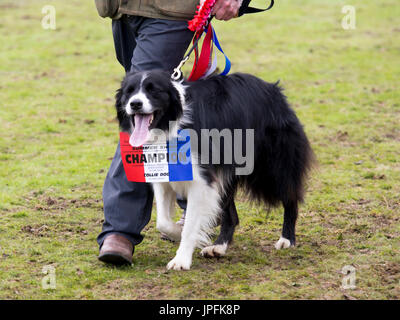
[(8, 5), (36, 230), (128, 290), (389, 273), (44, 202)]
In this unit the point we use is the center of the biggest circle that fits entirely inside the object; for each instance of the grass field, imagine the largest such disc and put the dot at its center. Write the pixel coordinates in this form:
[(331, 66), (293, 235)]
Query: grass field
[(58, 135)]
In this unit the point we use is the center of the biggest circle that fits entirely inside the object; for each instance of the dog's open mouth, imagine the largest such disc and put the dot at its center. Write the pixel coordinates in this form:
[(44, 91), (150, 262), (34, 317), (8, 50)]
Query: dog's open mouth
[(141, 123)]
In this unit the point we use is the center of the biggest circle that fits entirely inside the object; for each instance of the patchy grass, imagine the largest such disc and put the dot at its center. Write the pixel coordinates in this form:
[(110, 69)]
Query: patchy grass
[(58, 136)]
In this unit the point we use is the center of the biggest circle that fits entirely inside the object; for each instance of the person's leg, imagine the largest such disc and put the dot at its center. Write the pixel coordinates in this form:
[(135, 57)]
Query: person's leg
[(124, 34), (127, 205), (154, 44)]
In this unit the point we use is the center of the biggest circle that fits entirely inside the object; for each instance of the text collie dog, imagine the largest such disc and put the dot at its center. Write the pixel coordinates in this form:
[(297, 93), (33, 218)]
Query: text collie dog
[(148, 102)]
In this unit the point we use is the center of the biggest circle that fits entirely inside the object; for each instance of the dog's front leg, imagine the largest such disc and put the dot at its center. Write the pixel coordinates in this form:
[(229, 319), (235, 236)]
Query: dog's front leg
[(202, 211), (165, 199)]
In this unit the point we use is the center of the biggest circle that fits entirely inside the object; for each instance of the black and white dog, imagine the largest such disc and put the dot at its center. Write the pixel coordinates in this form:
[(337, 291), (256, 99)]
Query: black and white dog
[(282, 154)]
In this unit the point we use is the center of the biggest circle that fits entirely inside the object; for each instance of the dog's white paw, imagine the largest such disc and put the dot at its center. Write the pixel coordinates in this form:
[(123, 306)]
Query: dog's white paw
[(214, 251), (282, 243), (171, 231), (178, 263)]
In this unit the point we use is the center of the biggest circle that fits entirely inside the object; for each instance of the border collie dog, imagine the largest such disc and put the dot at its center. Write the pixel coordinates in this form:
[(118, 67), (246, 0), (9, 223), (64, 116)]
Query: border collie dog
[(282, 153)]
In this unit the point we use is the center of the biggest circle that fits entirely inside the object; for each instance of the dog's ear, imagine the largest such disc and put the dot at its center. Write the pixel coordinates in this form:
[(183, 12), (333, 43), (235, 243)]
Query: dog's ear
[(122, 119), (118, 97), (175, 100), (118, 102)]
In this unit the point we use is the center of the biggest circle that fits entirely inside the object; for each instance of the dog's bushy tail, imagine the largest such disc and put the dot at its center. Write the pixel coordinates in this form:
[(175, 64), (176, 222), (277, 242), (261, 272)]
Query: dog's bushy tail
[(282, 164)]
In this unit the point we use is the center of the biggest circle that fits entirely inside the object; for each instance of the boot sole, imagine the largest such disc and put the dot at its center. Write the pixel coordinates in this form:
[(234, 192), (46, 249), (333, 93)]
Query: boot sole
[(114, 258)]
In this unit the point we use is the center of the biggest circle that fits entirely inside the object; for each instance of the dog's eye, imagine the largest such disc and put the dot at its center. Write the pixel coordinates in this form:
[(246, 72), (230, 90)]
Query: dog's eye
[(130, 89), (149, 87)]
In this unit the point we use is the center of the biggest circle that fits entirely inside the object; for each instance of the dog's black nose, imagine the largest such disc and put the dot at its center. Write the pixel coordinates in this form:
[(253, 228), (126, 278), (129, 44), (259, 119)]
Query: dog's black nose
[(136, 104)]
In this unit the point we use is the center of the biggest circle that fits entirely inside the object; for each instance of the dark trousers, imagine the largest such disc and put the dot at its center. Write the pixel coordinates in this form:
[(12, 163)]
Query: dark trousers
[(141, 44)]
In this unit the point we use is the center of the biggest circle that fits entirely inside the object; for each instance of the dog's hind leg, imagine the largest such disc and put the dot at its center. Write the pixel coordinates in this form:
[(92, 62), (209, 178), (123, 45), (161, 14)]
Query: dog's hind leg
[(202, 211), (229, 221), (288, 238), (165, 199)]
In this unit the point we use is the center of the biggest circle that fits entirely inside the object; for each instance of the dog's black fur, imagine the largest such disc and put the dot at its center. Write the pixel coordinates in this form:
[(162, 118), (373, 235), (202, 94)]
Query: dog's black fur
[(283, 155)]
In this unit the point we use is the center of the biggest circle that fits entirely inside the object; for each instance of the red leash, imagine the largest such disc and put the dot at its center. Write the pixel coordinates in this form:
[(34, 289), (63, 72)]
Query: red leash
[(201, 65)]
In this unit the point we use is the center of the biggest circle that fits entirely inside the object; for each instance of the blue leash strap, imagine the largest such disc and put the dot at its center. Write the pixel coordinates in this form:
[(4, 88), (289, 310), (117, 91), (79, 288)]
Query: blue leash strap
[(227, 61)]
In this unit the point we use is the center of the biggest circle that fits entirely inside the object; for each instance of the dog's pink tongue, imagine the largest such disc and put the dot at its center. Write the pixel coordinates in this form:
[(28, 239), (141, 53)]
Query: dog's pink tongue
[(141, 130)]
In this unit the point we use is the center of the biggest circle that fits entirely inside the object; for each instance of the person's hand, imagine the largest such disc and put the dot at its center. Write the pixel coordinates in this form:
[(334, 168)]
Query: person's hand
[(226, 9)]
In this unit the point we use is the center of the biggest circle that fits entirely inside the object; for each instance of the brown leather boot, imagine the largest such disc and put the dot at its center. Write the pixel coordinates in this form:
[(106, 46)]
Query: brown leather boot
[(117, 250)]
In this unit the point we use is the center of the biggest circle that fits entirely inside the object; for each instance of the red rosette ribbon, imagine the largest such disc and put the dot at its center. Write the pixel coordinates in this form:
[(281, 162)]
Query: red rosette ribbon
[(202, 15)]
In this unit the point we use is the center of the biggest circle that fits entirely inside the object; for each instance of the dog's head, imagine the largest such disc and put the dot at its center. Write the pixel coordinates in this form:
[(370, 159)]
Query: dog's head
[(145, 101)]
